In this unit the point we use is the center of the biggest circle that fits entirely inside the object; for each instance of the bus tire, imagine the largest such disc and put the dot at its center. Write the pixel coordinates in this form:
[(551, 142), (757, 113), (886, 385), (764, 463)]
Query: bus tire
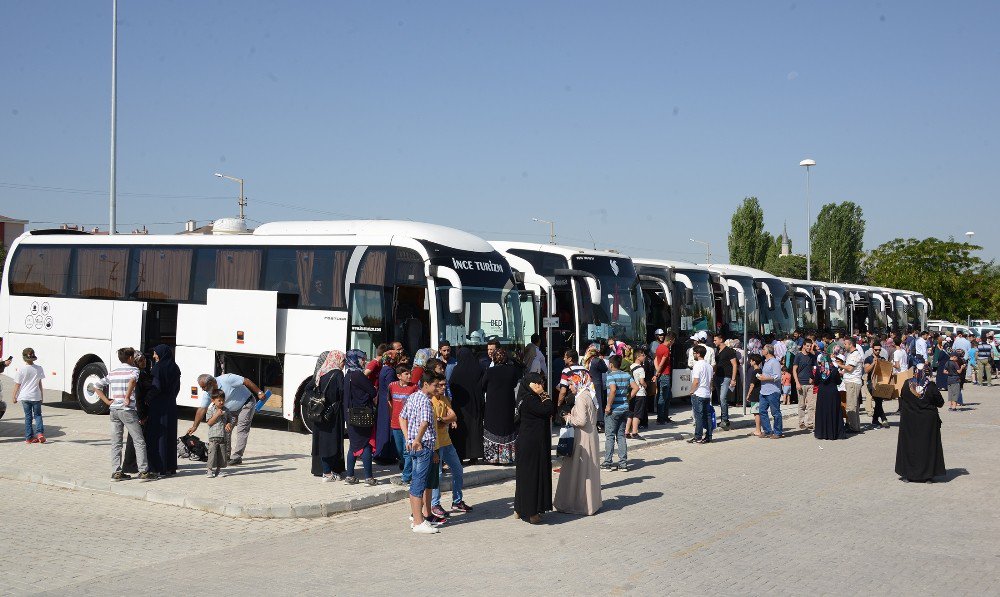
[(300, 424), (87, 399)]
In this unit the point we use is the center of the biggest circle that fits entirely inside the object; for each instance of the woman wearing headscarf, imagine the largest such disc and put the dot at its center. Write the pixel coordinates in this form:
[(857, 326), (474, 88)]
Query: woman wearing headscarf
[(385, 448), (161, 428), (533, 477), (328, 433), (579, 488), (598, 368), (359, 393), (919, 455), (829, 423), (468, 402), (420, 361), (499, 430)]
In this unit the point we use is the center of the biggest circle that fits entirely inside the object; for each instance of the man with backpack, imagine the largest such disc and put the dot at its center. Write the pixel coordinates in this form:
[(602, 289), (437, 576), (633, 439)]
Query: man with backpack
[(637, 394)]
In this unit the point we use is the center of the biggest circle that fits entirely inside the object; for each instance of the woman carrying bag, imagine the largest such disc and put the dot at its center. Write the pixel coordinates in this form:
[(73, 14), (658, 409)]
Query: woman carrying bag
[(328, 430), (579, 488)]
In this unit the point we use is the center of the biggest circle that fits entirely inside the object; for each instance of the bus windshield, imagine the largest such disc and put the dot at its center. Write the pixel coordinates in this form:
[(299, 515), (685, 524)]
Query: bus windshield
[(621, 312), (804, 307), (487, 314), (776, 316), (698, 315), (737, 317), (836, 315)]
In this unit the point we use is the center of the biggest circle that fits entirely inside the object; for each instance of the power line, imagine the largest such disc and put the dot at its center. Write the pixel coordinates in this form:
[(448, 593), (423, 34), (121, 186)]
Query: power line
[(45, 189)]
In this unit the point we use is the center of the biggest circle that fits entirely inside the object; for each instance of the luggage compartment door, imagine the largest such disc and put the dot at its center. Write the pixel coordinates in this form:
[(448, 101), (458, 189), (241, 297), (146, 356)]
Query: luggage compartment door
[(243, 321)]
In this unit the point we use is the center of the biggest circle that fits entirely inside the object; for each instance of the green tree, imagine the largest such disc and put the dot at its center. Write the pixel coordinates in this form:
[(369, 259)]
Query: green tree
[(840, 227), (784, 266), (960, 283), (748, 243)]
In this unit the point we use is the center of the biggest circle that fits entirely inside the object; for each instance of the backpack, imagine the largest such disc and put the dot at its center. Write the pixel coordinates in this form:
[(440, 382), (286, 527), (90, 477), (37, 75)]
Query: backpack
[(192, 448)]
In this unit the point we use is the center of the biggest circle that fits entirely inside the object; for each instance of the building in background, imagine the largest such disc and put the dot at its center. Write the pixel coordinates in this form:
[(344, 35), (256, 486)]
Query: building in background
[(11, 229)]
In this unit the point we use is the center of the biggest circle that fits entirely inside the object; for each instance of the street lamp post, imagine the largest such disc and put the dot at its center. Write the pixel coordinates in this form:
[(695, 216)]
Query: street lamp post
[(708, 247), (112, 223), (552, 229), (243, 199), (808, 163)]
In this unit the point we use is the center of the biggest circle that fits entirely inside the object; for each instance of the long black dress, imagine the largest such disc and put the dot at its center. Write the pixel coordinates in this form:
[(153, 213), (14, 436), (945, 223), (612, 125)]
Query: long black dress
[(829, 423), (499, 430), (359, 391), (533, 477), (597, 370), (919, 455), (328, 437), (468, 402), (161, 427)]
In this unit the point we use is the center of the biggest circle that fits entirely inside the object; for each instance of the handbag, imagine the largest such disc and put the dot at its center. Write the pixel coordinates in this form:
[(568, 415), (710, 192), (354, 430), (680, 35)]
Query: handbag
[(361, 416), (314, 401), (567, 438)]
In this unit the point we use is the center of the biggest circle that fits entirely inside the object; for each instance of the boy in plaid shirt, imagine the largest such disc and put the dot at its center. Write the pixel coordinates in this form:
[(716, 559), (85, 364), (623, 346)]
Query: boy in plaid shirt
[(418, 426)]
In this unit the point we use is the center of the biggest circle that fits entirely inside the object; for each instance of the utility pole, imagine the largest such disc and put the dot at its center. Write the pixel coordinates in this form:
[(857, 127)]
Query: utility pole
[(114, 114), (243, 199), (552, 229)]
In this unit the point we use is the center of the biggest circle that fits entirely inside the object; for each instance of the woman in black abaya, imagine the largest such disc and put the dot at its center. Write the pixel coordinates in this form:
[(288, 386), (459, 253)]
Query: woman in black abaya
[(328, 434), (829, 423), (533, 477), (919, 455), (499, 430), (468, 402), (161, 428)]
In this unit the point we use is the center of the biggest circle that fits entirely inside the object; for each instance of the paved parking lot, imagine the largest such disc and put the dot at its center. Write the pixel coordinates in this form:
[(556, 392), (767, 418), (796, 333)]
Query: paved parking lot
[(740, 516)]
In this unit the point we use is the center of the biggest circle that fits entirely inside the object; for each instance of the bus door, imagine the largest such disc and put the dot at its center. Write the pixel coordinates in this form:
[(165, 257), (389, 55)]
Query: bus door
[(366, 325), (411, 316), (563, 335), (127, 328), (161, 325)]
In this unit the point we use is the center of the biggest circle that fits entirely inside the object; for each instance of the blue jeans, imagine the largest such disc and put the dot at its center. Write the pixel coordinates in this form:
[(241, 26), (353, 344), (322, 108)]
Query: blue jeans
[(400, 441), (614, 432), (450, 457), (702, 408), (724, 392), (32, 413), (366, 461), (663, 398), (422, 461), (770, 402)]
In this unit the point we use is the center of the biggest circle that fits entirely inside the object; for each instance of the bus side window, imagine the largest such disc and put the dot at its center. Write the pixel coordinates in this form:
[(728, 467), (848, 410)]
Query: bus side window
[(100, 273), (203, 275), (238, 269), (39, 271)]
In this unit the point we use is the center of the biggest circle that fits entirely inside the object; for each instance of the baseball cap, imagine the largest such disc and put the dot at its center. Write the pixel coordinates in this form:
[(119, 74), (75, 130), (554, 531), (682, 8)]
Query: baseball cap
[(658, 332), (701, 336), (28, 354)]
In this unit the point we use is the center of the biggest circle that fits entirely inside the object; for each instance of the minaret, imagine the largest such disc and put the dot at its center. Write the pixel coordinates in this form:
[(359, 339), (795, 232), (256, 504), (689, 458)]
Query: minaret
[(785, 249)]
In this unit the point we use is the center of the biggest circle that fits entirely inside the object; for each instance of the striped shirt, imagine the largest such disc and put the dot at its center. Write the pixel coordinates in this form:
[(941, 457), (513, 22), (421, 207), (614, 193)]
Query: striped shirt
[(621, 381), (117, 383)]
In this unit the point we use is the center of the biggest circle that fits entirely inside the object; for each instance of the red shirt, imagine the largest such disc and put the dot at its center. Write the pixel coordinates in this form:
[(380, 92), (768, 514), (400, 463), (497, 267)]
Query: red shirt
[(663, 354), (372, 370), (398, 393)]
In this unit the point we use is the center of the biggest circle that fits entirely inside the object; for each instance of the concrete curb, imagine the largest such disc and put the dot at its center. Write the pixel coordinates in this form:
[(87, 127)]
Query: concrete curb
[(147, 491)]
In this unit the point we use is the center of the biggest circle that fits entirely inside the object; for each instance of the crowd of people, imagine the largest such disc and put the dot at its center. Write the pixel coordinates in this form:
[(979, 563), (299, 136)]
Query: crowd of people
[(437, 412)]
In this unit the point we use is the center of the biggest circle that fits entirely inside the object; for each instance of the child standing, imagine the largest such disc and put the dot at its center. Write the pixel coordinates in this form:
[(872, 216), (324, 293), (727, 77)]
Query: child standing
[(28, 389), (399, 391), (753, 392), (219, 425), (786, 386)]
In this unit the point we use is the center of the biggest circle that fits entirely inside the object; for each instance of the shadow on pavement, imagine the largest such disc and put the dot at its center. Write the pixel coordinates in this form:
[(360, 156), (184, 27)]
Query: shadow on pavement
[(627, 481), (953, 473)]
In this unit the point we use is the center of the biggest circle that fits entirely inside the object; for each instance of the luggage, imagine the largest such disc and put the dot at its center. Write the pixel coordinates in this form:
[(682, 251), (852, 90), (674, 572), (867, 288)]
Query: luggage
[(192, 448)]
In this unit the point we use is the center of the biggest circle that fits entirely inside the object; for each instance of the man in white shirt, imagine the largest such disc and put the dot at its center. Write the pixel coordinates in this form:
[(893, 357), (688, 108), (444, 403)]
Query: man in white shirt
[(920, 351), (899, 360), (701, 396), (700, 339), (122, 409), (853, 371)]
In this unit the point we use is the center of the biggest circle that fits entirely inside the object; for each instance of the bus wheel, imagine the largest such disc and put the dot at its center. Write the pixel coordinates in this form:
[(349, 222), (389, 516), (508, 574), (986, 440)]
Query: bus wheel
[(300, 424), (86, 382)]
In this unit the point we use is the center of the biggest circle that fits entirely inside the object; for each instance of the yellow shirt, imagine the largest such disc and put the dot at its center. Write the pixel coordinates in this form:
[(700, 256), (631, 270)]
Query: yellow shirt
[(441, 406)]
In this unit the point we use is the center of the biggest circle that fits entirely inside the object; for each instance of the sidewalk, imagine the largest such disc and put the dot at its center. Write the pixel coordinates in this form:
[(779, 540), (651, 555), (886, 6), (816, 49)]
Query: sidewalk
[(273, 482)]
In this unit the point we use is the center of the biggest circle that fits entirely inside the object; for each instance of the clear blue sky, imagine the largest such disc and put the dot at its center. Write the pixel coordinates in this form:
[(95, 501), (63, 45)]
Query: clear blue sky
[(640, 123)]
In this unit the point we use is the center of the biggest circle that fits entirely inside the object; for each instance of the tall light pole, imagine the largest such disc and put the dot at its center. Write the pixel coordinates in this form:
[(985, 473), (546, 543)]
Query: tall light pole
[(707, 247), (552, 229), (114, 113), (808, 163), (243, 199)]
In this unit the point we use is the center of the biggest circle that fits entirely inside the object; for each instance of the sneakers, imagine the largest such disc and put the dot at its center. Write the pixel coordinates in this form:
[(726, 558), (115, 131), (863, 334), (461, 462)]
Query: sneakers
[(31, 441), (330, 478), (371, 481), (148, 476), (623, 467), (435, 520), (607, 466), (425, 528), (40, 438), (438, 512), (235, 461), (351, 480), (120, 476), (223, 474), (210, 474), (461, 507), (399, 481)]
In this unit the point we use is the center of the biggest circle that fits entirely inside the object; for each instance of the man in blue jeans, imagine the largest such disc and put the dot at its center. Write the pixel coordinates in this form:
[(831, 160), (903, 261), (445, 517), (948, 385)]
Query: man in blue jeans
[(770, 394), (661, 365), (726, 370), (620, 386)]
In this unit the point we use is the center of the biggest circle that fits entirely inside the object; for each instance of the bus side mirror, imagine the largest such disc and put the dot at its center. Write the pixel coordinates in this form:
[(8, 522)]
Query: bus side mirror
[(456, 302), (595, 292)]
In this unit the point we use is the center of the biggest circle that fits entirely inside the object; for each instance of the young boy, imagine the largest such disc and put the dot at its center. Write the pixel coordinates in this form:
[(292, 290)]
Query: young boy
[(620, 385), (446, 418), (28, 389), (399, 391), (417, 423), (786, 386), (637, 396), (220, 424)]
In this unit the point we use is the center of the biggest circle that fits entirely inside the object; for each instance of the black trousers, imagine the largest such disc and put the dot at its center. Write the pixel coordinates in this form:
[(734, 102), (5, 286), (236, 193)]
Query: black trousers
[(879, 414)]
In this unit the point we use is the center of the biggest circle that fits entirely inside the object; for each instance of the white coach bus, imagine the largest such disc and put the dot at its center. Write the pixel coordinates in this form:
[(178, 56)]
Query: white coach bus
[(263, 305)]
